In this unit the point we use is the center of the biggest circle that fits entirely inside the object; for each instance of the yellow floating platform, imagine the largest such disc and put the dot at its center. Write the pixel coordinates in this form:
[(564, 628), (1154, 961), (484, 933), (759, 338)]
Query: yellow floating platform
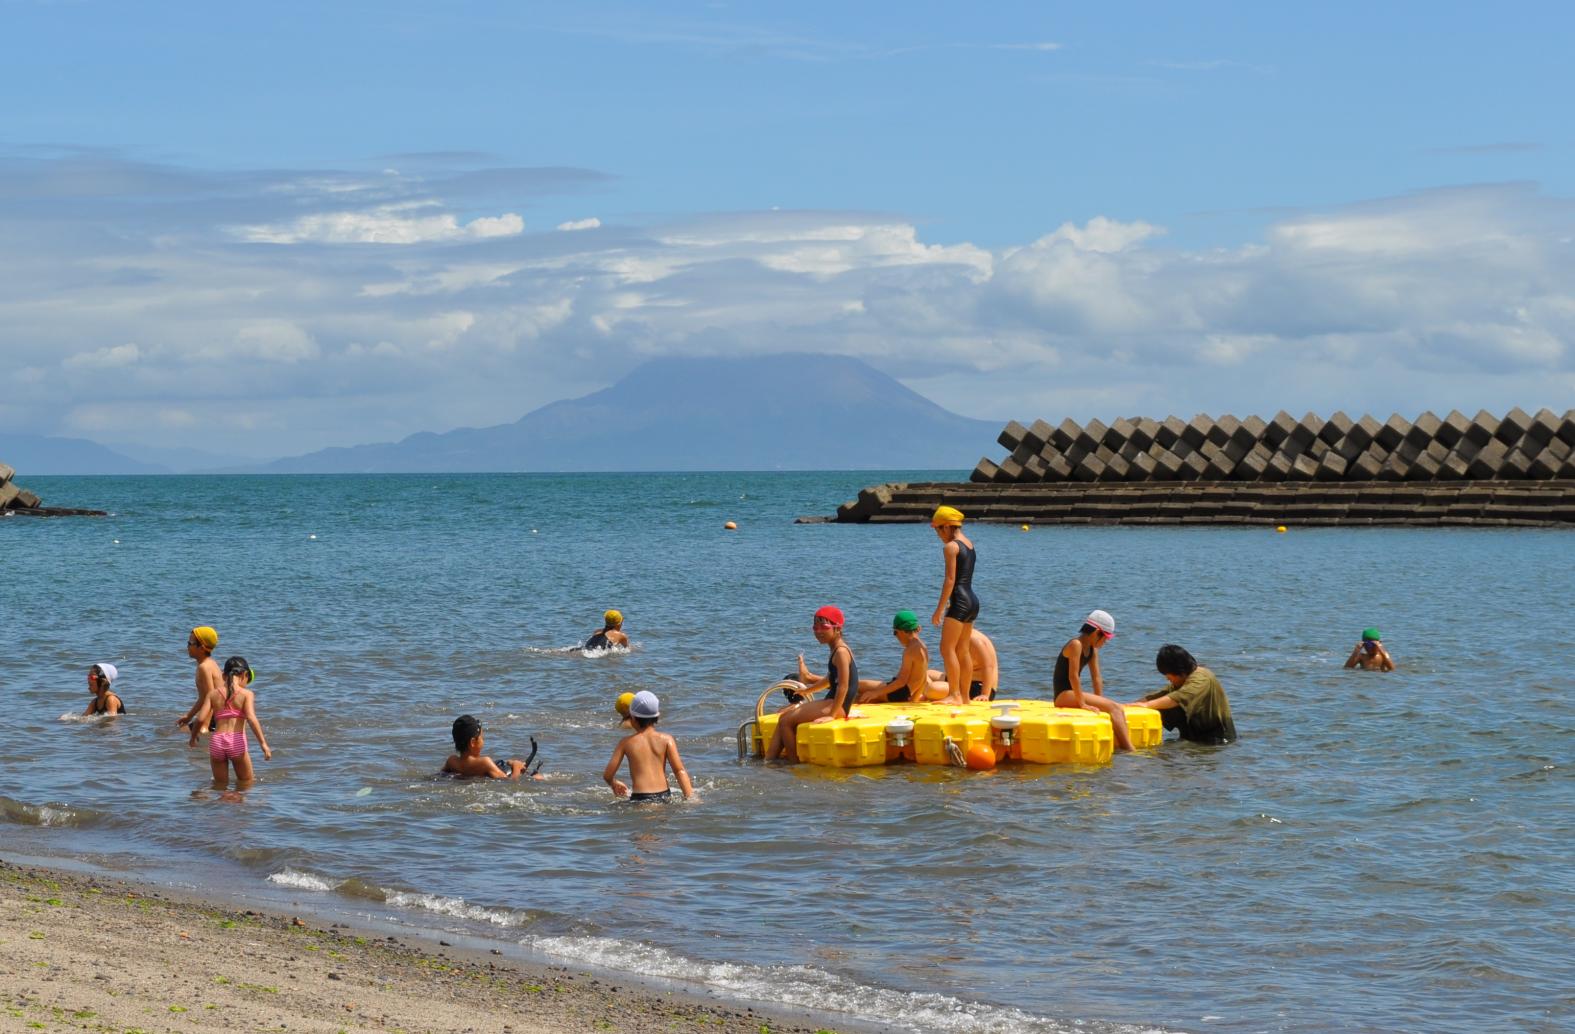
[(1035, 731)]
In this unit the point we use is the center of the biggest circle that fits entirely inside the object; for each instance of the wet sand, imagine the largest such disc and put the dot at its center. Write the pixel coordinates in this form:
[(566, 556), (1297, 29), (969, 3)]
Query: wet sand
[(97, 954)]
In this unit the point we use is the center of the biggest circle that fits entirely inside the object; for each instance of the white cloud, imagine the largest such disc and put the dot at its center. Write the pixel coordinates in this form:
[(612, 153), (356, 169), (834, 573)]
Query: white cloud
[(105, 358), (581, 224), (385, 224)]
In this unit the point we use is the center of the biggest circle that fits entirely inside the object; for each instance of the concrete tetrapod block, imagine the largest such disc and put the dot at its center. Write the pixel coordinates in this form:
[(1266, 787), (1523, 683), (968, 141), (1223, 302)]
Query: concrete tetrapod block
[(1366, 465), (1331, 467), (1011, 435), (1278, 468), (1566, 431), (1088, 469), (1142, 467), (6, 473), (1426, 465), (1065, 434), (1223, 428), (1057, 468), (1363, 434), (1192, 467), (1251, 466), (1037, 436), (1278, 429), (1516, 466), (1306, 431), (1544, 427), (1486, 425), (8, 494), (1242, 439), (1143, 432), (1197, 431), (1089, 437), (1118, 434), (985, 471), (1167, 465), (26, 498), (1423, 430), (1453, 467), (1254, 427), (1169, 432), (1034, 469), (1393, 432), (1485, 464), (1513, 427), (1303, 468), (1008, 472), (1217, 465), (1336, 427), (1451, 429), (1115, 468)]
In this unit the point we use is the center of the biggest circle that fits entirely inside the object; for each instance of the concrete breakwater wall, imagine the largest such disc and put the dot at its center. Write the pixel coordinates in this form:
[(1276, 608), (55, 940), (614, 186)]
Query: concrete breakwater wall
[(1518, 469), (14, 499)]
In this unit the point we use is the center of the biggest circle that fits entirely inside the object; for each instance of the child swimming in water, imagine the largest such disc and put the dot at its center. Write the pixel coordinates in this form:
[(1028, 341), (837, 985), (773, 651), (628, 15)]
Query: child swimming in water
[(959, 607), (467, 761), (1083, 652), (611, 636), (232, 707), (842, 678), (650, 754), (1369, 654), (913, 680), (104, 701)]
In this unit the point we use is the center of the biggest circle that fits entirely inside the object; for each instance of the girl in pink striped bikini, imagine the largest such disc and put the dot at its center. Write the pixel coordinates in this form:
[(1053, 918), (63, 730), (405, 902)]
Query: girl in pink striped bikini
[(233, 708)]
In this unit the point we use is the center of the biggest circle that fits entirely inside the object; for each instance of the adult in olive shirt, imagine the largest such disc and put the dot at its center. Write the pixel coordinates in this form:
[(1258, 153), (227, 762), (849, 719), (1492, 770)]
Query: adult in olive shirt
[(1195, 703)]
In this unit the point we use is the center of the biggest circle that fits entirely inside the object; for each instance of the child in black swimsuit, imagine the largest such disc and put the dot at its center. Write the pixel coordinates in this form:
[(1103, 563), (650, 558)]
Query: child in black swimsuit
[(104, 701), (841, 680), (959, 607)]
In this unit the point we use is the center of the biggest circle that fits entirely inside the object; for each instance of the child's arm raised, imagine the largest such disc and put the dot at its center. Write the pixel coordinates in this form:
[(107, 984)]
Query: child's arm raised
[(680, 773), (610, 774), (251, 719)]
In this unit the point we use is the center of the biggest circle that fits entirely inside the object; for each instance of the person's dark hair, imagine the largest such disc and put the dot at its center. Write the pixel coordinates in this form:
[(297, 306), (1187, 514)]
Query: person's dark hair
[(466, 728), (1173, 660), (1087, 628), (234, 666), (643, 723), (99, 676)]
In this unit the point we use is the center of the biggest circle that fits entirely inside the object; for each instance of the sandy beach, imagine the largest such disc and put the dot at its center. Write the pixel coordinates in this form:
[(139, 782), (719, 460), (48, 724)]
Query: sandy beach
[(94, 954)]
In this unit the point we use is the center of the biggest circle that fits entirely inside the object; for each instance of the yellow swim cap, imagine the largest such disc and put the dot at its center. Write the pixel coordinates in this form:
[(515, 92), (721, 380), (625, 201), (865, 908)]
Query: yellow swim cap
[(612, 619), (946, 515), (623, 702), (206, 636)]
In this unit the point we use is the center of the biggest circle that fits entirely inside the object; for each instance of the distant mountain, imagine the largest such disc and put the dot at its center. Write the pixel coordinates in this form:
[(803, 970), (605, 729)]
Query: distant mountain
[(183, 460), (39, 454), (780, 412)]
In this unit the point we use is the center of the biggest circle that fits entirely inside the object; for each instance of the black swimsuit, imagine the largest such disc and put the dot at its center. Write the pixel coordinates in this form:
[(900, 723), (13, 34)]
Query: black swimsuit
[(1062, 680), (964, 604), (103, 707), (599, 641), (853, 678)]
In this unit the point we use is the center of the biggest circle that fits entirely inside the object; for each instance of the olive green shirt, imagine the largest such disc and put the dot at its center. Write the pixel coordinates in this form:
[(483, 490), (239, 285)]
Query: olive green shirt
[(1205, 713)]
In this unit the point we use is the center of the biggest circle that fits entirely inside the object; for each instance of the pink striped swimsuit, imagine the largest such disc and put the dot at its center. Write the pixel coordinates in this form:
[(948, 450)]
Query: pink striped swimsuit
[(228, 746)]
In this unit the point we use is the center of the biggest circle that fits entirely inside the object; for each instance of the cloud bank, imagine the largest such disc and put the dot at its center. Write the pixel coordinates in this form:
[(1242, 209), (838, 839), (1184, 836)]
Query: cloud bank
[(282, 311)]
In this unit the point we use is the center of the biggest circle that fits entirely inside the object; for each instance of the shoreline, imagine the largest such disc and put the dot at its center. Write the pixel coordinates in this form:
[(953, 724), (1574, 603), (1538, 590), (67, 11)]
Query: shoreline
[(99, 953)]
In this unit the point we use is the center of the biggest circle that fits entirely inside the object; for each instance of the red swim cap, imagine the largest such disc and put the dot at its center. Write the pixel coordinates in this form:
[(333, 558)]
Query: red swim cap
[(830, 614)]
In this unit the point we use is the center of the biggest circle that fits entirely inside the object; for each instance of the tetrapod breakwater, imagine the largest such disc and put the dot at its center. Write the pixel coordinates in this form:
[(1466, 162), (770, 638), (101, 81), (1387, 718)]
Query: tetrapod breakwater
[(1512, 470)]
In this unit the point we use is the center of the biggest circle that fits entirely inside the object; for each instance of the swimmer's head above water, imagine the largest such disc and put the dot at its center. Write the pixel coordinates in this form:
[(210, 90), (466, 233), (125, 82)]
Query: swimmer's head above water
[(621, 705), (104, 674), (466, 728), (612, 619)]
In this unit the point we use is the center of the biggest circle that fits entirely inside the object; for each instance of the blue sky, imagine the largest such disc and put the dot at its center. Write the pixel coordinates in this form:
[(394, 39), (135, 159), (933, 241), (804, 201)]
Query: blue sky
[(1020, 210)]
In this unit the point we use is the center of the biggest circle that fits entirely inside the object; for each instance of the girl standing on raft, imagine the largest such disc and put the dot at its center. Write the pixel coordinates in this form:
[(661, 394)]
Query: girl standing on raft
[(842, 676), (232, 709), (1083, 652), (959, 606)]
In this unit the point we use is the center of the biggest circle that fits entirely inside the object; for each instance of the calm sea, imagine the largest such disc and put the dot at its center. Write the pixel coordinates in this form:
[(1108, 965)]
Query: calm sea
[(1378, 852)]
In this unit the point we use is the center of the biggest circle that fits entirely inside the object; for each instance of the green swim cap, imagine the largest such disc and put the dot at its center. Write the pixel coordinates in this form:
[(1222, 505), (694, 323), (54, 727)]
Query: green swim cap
[(905, 620), (1371, 633)]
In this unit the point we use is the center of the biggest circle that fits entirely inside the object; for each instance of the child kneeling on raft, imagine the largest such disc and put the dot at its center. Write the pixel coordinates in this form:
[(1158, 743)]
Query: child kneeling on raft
[(650, 754), (1082, 652), (467, 761), (914, 680), (841, 678), (1195, 703)]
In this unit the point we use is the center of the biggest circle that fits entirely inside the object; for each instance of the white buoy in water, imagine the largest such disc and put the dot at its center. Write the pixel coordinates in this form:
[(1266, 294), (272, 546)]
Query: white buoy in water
[(312, 537)]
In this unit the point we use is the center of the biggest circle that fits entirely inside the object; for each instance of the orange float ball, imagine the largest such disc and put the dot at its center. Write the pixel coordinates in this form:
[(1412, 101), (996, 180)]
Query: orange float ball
[(980, 757)]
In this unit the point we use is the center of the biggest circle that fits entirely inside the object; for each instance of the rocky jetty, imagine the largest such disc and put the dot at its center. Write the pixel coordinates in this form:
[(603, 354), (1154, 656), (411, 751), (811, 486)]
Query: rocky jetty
[(14, 499), (1518, 469)]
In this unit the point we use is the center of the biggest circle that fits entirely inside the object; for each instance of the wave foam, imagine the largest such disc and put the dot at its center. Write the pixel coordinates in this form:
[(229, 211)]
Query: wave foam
[(300, 880), (458, 908), (805, 988)]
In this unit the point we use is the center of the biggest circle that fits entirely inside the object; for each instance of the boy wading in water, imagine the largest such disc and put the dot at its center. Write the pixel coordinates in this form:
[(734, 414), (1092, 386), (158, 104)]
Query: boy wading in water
[(199, 647), (467, 762), (1083, 652), (650, 754)]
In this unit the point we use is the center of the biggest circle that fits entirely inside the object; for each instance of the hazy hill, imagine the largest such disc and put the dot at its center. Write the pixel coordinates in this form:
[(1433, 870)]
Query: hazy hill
[(790, 412), (40, 454)]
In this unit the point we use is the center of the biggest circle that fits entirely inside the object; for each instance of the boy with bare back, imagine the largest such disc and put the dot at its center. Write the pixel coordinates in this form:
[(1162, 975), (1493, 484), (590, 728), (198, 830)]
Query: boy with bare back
[(199, 647), (650, 754), (468, 762), (914, 680)]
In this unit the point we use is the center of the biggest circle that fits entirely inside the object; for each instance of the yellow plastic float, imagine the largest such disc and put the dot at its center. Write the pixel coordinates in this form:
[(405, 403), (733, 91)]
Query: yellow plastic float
[(1034, 731)]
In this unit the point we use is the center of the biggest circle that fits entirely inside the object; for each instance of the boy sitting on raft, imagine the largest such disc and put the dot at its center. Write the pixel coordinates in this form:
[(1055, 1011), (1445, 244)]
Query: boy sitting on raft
[(842, 678), (914, 680), (1195, 703), (468, 763), (650, 754)]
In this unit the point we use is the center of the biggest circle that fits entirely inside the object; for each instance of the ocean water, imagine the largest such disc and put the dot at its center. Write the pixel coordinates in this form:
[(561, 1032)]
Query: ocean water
[(1378, 852)]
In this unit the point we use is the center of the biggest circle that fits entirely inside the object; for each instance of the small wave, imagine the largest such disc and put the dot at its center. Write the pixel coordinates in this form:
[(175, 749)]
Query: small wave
[(301, 880), (806, 988), (50, 815), (457, 908)]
